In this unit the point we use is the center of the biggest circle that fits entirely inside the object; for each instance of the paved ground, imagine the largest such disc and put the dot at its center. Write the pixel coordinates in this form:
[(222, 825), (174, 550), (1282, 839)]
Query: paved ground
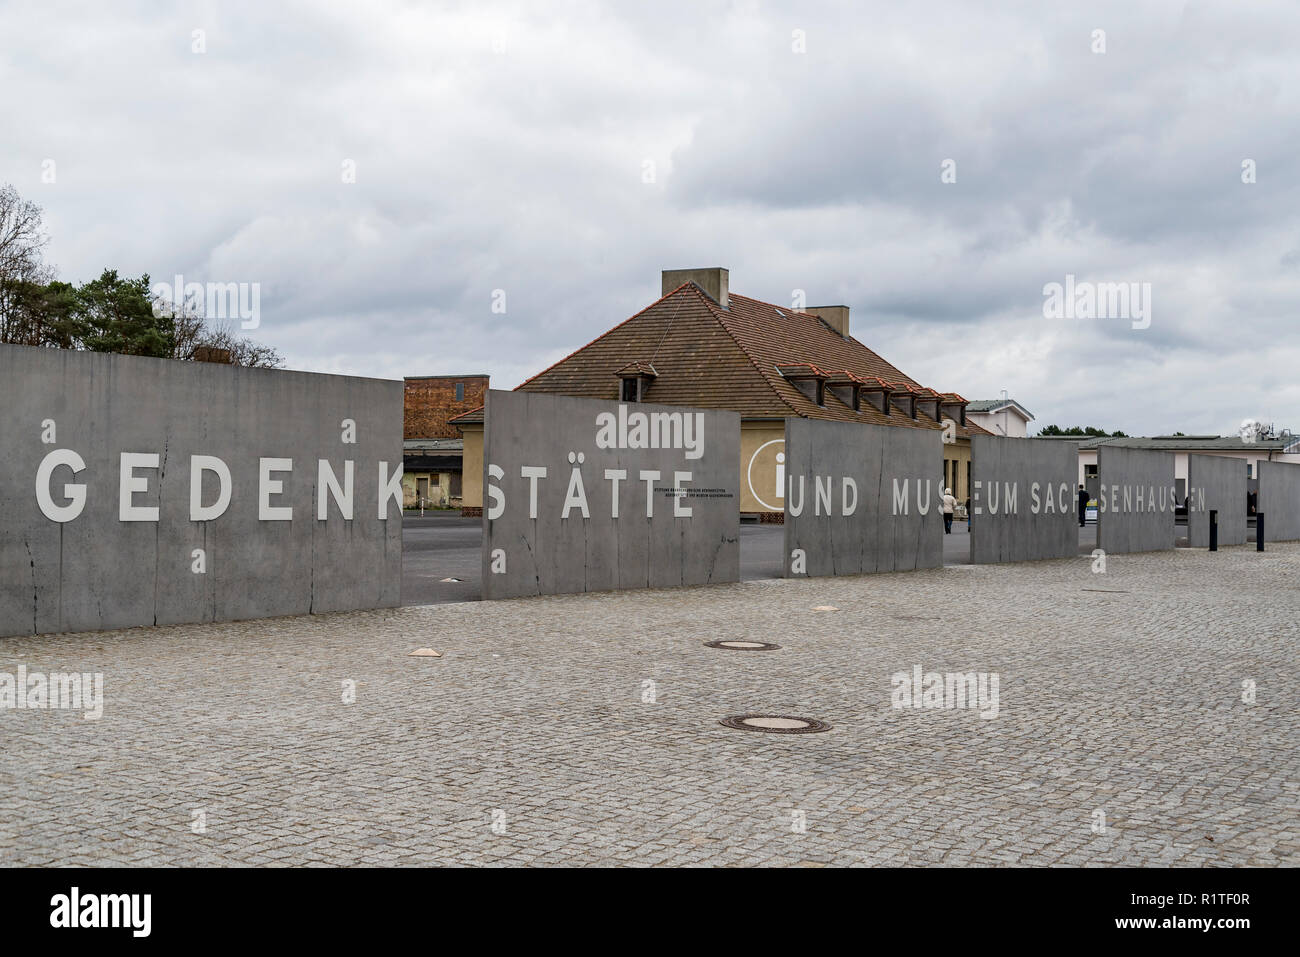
[(1121, 696), (442, 545), (441, 555)]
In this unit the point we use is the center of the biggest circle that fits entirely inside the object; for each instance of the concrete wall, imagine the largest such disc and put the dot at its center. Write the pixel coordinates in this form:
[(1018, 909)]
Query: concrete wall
[(1135, 505), (829, 465), (95, 570), (543, 552), (1025, 502), (1216, 482), (1279, 500)]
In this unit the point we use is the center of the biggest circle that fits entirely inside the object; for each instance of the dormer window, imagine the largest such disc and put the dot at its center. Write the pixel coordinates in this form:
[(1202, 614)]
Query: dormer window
[(636, 378), (846, 387), (876, 392), (903, 398), (954, 407), (927, 402), (808, 379)]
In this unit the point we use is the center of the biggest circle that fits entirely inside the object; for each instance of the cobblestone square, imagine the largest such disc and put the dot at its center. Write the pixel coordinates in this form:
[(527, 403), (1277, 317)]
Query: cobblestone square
[(584, 729)]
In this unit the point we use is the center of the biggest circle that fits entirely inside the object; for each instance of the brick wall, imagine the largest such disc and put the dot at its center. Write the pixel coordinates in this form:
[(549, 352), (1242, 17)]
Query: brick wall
[(430, 402)]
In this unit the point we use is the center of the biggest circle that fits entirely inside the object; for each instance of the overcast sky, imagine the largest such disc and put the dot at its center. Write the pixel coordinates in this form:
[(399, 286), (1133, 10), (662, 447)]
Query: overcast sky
[(802, 145)]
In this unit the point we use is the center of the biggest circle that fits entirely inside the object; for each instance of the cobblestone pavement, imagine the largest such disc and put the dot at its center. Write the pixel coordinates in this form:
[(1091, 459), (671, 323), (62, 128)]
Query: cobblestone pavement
[(533, 740)]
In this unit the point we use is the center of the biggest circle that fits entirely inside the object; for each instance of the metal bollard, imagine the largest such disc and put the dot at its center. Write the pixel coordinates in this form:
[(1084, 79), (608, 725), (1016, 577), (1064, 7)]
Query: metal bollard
[(1214, 529), (1259, 531)]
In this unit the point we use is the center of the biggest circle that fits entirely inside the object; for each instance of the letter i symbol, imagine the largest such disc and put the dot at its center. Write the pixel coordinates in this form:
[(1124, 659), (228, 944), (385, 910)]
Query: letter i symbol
[(780, 475)]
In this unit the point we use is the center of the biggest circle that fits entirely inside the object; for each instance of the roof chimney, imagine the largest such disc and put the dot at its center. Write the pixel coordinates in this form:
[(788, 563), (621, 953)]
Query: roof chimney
[(837, 317), (713, 281)]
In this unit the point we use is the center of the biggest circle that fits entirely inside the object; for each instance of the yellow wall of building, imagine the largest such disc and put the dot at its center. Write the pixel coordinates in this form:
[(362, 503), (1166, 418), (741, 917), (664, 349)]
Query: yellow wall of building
[(471, 479), (759, 443), (439, 495), (959, 452)]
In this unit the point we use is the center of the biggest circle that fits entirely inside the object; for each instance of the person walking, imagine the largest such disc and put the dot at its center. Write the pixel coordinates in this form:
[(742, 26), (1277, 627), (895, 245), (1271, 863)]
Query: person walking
[(968, 514), (949, 506), (1083, 506)]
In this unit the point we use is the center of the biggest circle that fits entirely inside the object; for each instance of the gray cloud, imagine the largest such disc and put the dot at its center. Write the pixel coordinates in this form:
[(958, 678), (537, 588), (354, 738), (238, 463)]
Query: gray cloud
[(505, 147)]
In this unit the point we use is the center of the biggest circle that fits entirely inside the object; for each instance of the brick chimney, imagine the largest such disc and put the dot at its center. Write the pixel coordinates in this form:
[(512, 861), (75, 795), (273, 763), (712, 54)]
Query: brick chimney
[(713, 281), (837, 317)]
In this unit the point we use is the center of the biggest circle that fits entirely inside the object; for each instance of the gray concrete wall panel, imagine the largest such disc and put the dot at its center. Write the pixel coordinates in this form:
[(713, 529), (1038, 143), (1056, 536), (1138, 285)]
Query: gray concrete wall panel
[(1136, 500), (96, 571), (1279, 500), (1216, 482), (1024, 500), (861, 498), (554, 547)]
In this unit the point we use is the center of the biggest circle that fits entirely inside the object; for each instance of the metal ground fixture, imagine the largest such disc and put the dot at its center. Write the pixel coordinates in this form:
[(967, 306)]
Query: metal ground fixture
[(775, 723), (742, 644)]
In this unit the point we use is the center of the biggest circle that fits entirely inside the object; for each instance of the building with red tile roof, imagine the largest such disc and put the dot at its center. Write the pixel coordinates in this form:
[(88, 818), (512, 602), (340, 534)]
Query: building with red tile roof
[(701, 345)]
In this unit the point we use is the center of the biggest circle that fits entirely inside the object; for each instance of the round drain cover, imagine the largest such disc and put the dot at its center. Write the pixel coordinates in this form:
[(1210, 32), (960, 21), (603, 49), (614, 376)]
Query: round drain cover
[(775, 723), (741, 644)]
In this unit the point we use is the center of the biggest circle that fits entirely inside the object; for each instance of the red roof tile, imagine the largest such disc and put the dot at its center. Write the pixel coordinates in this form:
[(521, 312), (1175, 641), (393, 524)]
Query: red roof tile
[(732, 358)]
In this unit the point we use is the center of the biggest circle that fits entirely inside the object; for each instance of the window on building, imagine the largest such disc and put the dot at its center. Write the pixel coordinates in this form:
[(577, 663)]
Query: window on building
[(630, 389), (460, 392), (435, 480)]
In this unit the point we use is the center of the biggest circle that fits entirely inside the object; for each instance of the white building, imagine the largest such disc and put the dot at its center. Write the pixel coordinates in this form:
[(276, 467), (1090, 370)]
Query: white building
[(1000, 416), (1284, 448)]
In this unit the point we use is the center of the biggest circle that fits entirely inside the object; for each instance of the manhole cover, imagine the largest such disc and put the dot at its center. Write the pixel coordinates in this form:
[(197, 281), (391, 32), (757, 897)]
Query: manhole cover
[(739, 644), (775, 723)]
